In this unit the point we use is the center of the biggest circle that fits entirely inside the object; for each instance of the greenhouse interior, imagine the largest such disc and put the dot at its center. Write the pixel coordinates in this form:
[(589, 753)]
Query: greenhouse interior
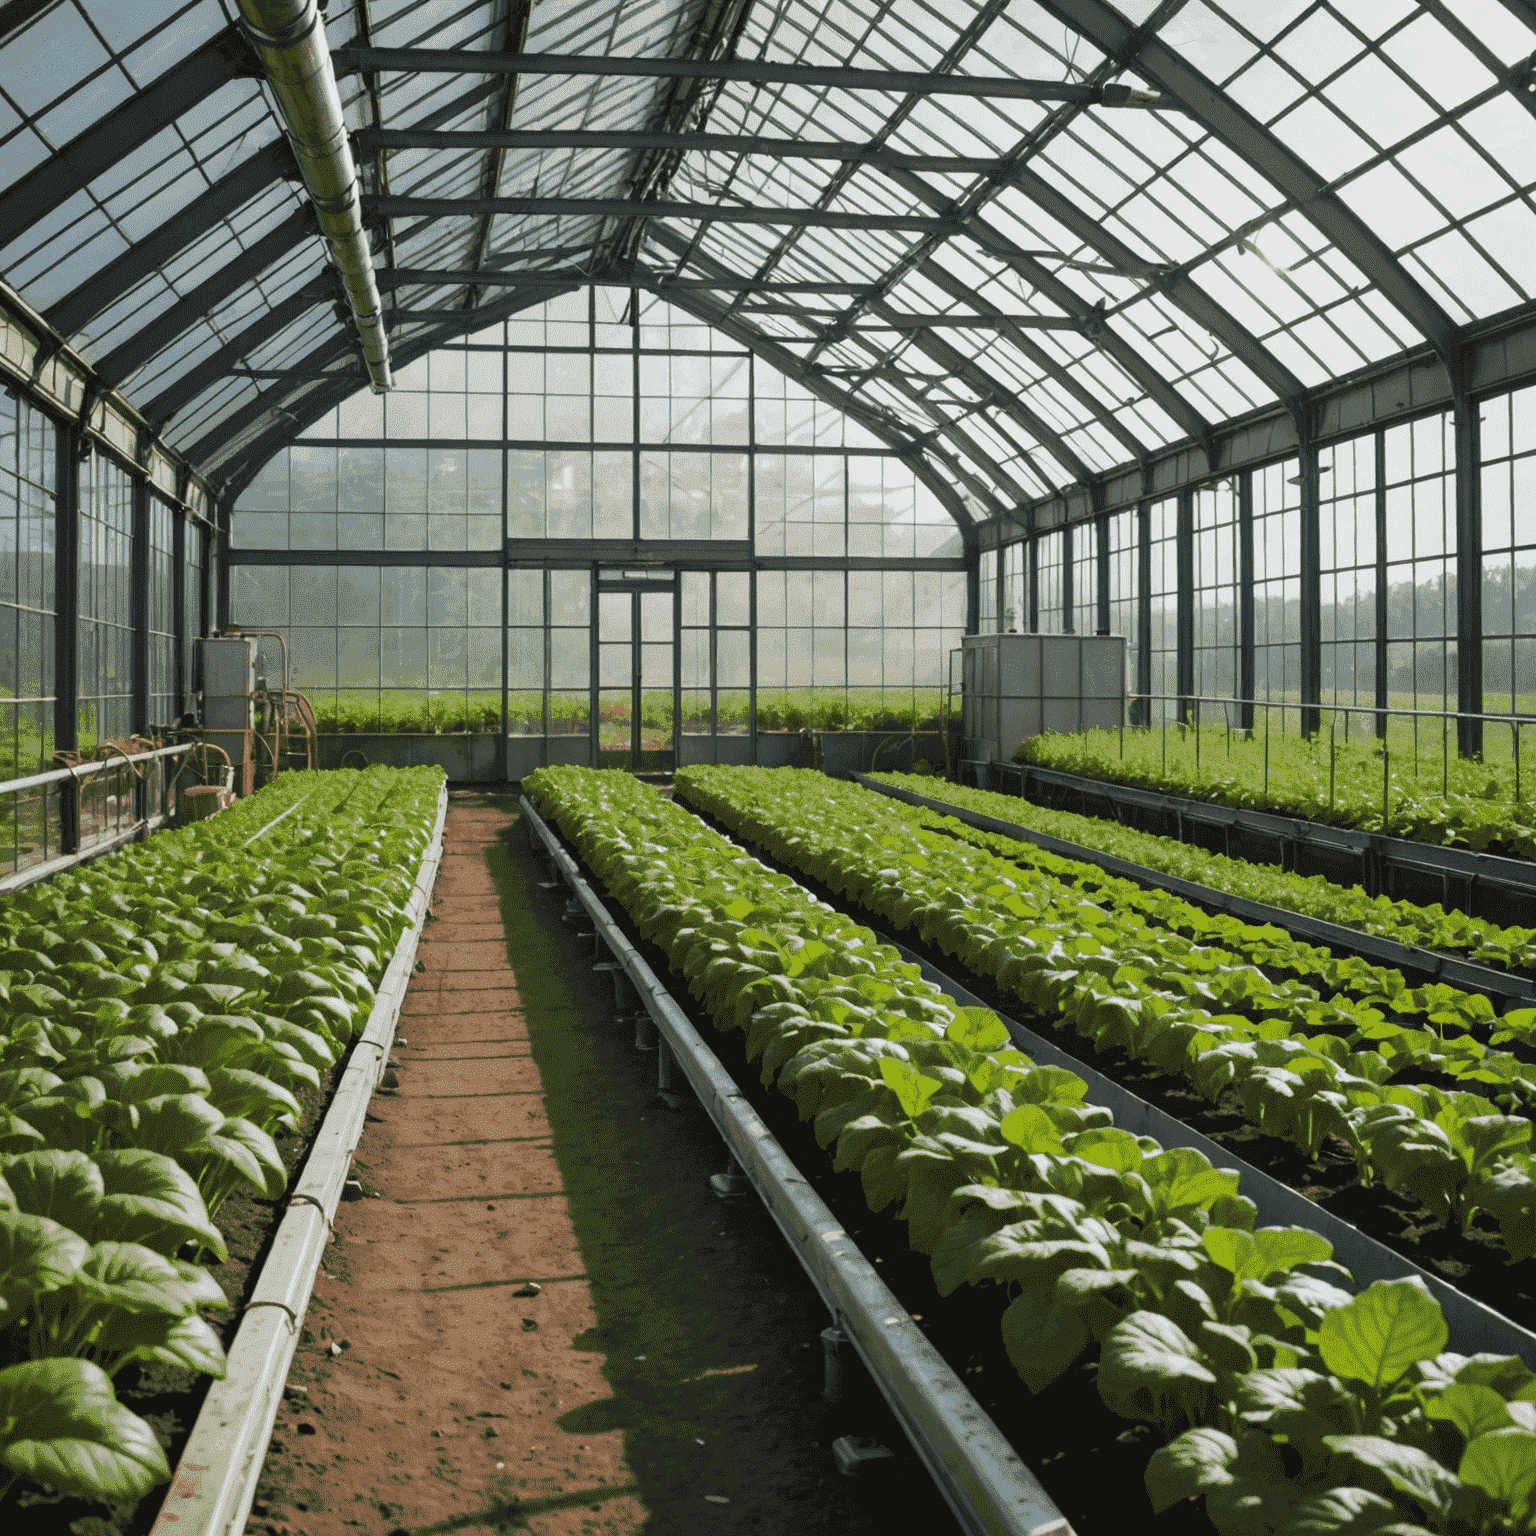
[(908, 627)]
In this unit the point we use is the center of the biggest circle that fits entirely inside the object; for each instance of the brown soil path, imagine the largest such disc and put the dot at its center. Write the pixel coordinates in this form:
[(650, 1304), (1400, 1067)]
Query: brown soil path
[(665, 1379)]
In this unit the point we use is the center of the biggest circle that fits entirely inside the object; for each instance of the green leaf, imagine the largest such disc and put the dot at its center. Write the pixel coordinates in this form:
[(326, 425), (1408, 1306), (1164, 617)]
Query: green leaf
[(977, 1029), (186, 1341), (150, 1200), (1148, 1363), (1181, 1178), (1107, 1147), (1474, 1410), (1503, 1465), (911, 1087), (1193, 1464), (61, 1426), (64, 1186), (1030, 1129), (1384, 1331), (1340, 1510), (1042, 1337), (1405, 1467), (36, 1256), (133, 1278)]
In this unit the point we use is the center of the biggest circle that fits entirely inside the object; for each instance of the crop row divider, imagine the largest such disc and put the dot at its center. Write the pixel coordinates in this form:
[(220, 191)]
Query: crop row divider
[(215, 1480), (983, 1479), (1474, 1325), (1511, 990)]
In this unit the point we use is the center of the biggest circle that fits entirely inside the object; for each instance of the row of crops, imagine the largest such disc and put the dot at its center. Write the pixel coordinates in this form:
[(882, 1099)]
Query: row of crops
[(1431, 795), (1290, 1404), (163, 1010), (1404, 922)]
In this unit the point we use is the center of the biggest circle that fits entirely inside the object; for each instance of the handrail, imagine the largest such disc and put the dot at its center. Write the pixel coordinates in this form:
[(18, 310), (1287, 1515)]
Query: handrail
[(82, 770), (1323, 706)]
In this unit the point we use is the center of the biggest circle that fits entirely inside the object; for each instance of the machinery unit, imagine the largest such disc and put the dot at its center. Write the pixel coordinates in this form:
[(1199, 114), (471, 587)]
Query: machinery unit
[(1016, 686), (229, 691)]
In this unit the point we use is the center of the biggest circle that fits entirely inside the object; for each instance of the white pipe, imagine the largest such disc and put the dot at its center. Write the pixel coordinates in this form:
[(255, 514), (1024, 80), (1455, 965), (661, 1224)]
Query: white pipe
[(289, 39)]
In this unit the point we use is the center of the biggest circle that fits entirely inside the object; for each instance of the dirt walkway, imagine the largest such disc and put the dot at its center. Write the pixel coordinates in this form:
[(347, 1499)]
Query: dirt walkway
[(664, 1379)]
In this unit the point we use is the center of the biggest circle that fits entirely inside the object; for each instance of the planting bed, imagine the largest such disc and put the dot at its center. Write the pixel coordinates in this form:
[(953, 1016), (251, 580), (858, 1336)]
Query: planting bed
[(175, 1017), (1106, 1244)]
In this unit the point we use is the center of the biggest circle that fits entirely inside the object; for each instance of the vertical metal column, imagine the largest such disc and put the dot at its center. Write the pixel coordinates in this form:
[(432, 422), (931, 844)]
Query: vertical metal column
[(1184, 576), (1311, 581), (219, 554), (66, 643), (1031, 573), (180, 682), (138, 686), (1068, 618), (1102, 619), (1469, 573), (1380, 647), (1144, 600), (1247, 672), (972, 550)]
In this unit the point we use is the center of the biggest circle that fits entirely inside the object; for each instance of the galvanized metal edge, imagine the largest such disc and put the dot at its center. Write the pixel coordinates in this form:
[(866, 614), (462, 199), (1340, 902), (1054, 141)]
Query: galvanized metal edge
[(985, 1482), (215, 1480), (1474, 1325), (1412, 957), (30, 876), (1431, 858)]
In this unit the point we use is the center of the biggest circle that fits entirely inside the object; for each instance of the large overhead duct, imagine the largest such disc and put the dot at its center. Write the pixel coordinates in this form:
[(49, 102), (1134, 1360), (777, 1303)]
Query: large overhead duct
[(289, 38)]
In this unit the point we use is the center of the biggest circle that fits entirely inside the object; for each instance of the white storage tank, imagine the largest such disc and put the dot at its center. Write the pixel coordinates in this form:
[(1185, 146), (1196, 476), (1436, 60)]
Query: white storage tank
[(1016, 686)]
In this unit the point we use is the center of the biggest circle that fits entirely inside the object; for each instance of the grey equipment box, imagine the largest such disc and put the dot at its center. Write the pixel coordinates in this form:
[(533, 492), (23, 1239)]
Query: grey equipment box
[(1016, 686), (229, 681)]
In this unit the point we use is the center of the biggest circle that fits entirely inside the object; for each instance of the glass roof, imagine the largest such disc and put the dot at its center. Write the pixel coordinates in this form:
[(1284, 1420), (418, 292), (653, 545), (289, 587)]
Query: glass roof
[(1021, 295)]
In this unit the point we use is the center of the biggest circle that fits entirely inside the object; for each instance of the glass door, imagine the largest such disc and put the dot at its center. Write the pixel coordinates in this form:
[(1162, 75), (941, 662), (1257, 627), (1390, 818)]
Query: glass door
[(636, 670)]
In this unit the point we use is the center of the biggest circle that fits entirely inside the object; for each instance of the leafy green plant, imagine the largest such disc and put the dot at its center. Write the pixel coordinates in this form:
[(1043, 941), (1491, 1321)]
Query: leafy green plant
[(1287, 1397), (1313, 895), (158, 1011)]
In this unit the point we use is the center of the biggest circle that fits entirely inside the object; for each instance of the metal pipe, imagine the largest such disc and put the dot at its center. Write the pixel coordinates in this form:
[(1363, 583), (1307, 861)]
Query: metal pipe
[(289, 39)]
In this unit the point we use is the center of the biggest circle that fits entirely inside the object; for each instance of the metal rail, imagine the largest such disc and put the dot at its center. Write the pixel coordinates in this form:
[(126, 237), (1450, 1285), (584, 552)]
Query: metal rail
[(1474, 1325), (1510, 989), (982, 1478), (215, 1480), (84, 770)]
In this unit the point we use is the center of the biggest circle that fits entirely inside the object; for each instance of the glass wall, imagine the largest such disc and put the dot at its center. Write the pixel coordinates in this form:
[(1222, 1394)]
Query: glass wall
[(29, 825), (1050, 616), (1420, 563), (1015, 599), (107, 603), (1277, 583), (160, 615), (1216, 567), (1509, 553), (1347, 539), (414, 648), (1085, 578), (1123, 529), (1163, 604)]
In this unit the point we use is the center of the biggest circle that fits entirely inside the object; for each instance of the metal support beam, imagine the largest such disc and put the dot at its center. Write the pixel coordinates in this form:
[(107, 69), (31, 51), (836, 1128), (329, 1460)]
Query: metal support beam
[(1469, 574), (138, 688), (1180, 289), (1379, 649), (1311, 578), (1245, 599), (677, 143), (1184, 572), (111, 139), (162, 329), (66, 631), (749, 71), (1102, 613), (623, 208), (1303, 187), (1068, 594), (161, 246), (1142, 713), (177, 396)]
